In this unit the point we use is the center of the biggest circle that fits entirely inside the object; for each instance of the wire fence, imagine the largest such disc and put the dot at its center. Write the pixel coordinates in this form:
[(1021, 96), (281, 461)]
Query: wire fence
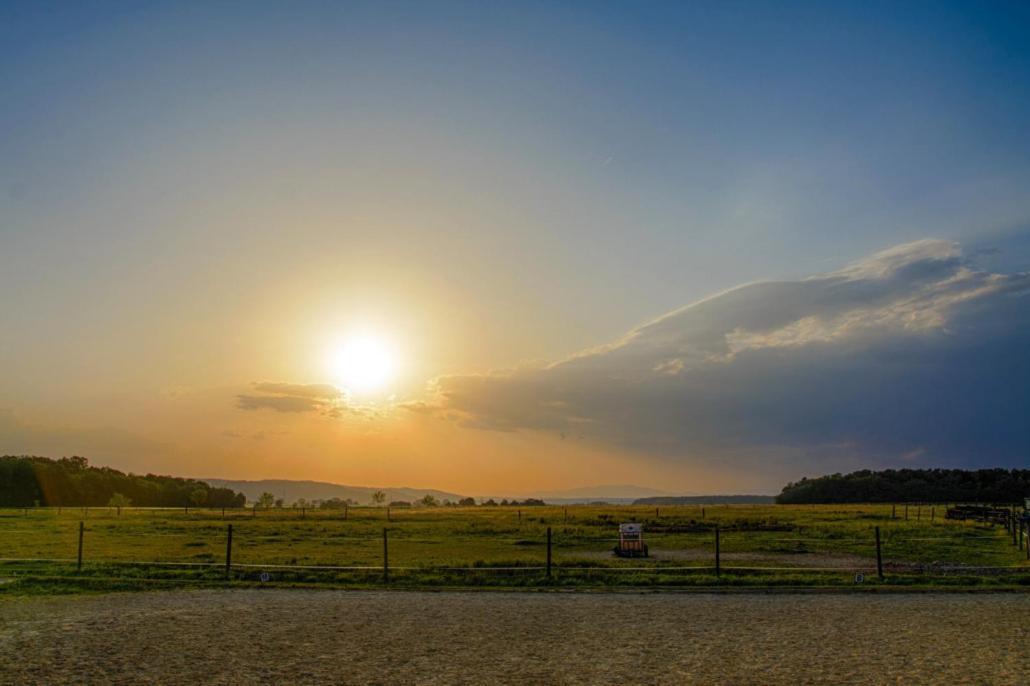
[(102, 547)]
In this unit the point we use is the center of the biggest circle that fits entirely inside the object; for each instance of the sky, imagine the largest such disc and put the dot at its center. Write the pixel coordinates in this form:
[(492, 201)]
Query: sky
[(701, 247)]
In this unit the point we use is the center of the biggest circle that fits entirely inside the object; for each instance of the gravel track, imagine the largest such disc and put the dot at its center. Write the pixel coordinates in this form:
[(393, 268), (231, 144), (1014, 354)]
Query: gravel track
[(368, 637)]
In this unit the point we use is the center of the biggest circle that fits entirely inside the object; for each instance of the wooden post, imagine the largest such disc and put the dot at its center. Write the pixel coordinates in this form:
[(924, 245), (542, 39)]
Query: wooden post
[(82, 527), (879, 556), (718, 562), (548, 552), (702, 512), (656, 513), (386, 559), (520, 516), (228, 553), (253, 511), (894, 511)]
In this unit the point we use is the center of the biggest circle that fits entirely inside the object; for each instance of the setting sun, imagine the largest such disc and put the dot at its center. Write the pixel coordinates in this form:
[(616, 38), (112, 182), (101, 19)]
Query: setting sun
[(363, 364)]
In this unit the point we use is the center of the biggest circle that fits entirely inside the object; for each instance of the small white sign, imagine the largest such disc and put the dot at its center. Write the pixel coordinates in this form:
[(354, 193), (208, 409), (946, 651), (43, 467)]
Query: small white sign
[(859, 578)]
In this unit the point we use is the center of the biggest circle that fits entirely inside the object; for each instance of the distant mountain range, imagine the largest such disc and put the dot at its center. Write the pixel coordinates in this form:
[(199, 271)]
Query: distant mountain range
[(291, 491), (604, 491), (608, 493), (707, 500)]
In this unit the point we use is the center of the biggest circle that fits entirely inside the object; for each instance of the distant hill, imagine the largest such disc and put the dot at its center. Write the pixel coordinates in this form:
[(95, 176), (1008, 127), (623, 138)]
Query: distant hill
[(291, 491), (604, 491), (707, 500), (608, 493)]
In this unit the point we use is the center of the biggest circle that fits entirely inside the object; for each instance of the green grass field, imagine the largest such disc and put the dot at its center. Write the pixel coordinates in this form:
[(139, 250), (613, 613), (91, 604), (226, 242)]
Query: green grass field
[(762, 545)]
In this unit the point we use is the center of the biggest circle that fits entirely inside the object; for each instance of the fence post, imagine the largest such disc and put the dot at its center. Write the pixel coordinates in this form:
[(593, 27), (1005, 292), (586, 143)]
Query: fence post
[(718, 562), (879, 556), (656, 513), (894, 511), (386, 559), (702, 512), (548, 552), (520, 516), (82, 527), (228, 553)]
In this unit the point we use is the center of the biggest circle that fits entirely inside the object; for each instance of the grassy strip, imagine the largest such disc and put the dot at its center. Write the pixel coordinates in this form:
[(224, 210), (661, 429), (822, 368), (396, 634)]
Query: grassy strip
[(38, 579)]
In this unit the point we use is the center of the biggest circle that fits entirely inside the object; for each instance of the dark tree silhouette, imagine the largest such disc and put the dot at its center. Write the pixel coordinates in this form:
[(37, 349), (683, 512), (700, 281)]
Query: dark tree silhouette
[(912, 485), (71, 481)]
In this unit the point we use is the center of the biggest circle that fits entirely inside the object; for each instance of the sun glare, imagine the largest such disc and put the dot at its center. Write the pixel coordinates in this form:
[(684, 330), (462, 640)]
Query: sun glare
[(363, 364)]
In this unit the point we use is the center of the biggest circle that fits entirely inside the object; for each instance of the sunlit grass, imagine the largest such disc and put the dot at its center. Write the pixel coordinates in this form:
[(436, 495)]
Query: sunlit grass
[(760, 545)]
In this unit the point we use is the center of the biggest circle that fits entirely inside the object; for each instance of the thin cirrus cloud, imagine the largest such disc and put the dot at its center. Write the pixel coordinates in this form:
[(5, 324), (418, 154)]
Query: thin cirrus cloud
[(912, 354), (291, 397)]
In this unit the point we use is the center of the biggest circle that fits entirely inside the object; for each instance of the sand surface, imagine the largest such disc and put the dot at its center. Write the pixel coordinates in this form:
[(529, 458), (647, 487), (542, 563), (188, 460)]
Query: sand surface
[(367, 637)]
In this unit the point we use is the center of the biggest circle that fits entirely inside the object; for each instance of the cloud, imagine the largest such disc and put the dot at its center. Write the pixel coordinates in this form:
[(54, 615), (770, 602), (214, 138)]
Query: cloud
[(314, 390), (909, 355), (291, 397)]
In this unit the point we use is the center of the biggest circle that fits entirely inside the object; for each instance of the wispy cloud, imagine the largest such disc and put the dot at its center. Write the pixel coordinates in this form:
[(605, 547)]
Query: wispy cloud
[(315, 390), (291, 397)]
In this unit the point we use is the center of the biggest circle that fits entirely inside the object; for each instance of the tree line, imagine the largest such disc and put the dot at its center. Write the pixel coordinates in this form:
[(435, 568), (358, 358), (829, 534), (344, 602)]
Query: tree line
[(912, 485), (27, 481)]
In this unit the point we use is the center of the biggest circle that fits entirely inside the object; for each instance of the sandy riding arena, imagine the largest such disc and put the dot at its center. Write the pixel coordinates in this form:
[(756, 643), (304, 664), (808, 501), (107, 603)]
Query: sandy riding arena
[(358, 637)]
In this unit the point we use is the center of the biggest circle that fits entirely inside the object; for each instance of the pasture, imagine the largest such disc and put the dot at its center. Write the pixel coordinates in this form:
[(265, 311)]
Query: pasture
[(758, 546)]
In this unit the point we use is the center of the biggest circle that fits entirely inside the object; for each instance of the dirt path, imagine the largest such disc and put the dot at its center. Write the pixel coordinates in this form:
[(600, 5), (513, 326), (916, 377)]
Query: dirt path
[(357, 637)]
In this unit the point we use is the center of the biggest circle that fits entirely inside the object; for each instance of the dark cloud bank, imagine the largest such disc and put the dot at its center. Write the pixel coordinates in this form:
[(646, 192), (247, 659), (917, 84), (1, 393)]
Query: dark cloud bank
[(912, 356)]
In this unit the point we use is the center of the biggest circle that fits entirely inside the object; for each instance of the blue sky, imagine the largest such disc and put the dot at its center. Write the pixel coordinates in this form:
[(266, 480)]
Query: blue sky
[(193, 195)]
